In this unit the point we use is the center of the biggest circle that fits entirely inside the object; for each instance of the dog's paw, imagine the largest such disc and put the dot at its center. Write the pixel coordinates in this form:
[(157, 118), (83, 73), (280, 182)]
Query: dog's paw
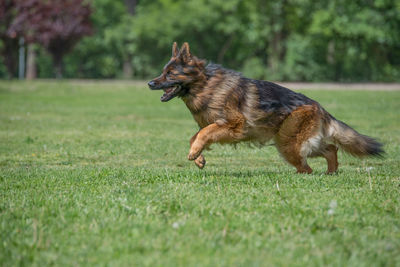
[(194, 152), (192, 156), (200, 162)]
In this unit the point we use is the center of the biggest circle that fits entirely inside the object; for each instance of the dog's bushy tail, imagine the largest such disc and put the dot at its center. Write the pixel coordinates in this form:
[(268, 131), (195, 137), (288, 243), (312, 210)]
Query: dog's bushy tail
[(352, 142)]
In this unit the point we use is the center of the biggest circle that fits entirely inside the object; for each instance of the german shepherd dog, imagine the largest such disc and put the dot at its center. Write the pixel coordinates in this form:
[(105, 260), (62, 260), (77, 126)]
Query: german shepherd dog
[(230, 108)]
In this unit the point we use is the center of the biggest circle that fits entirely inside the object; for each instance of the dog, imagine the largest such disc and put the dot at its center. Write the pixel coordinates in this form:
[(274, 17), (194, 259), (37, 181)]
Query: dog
[(230, 108)]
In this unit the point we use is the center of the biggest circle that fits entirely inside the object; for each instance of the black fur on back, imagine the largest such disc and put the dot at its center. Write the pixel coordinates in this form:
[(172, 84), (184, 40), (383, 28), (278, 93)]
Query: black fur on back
[(274, 97)]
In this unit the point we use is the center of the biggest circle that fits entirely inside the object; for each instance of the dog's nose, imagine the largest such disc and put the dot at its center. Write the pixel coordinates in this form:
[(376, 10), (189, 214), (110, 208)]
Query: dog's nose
[(151, 84)]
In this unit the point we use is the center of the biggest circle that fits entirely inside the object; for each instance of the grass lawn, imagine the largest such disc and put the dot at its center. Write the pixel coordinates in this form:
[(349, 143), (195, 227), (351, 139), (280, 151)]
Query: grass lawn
[(95, 173)]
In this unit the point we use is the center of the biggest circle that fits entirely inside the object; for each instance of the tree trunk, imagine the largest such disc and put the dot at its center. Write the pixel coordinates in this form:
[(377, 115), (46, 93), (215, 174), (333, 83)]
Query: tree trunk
[(276, 51), (131, 6), (127, 69), (330, 55), (31, 71), (331, 59), (224, 49), (277, 45)]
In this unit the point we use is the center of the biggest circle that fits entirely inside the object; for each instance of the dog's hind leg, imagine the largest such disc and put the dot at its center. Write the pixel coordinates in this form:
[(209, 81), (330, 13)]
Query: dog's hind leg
[(330, 154), (200, 161), (294, 157), (299, 135)]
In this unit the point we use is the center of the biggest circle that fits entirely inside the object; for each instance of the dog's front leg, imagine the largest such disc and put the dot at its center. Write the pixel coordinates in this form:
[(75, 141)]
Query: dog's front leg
[(200, 161), (213, 133)]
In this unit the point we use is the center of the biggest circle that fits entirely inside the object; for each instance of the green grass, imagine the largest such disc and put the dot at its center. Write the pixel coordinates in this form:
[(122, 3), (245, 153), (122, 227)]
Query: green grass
[(96, 174)]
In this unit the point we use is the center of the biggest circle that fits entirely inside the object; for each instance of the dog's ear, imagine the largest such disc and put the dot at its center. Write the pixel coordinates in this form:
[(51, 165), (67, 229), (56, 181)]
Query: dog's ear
[(184, 53), (175, 50)]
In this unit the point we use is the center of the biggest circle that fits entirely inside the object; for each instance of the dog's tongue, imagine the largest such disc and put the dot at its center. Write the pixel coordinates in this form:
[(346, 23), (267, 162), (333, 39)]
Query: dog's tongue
[(167, 94)]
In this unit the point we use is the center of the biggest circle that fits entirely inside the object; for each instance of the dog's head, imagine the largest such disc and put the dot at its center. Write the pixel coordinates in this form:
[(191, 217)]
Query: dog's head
[(179, 74)]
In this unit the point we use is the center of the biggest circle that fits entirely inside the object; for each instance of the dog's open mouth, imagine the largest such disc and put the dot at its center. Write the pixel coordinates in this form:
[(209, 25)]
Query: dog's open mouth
[(170, 93)]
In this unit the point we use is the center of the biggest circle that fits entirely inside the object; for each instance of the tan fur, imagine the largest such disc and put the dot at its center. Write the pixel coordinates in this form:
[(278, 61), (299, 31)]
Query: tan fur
[(300, 126)]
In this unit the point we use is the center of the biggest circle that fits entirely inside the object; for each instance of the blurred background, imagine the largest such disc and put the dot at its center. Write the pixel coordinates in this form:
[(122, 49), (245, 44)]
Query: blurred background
[(288, 40)]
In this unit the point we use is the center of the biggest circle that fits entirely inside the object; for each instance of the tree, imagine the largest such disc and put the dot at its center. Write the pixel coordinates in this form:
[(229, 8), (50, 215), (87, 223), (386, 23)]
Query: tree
[(127, 67), (301, 40), (122, 38), (31, 71), (358, 39), (57, 25), (97, 56), (9, 44)]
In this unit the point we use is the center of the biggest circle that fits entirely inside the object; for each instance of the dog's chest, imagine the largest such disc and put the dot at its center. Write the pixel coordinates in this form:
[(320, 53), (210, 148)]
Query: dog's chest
[(204, 110), (205, 117)]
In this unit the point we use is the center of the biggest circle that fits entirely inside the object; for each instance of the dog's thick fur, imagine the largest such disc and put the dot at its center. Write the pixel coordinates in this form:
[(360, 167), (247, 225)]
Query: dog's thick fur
[(230, 108)]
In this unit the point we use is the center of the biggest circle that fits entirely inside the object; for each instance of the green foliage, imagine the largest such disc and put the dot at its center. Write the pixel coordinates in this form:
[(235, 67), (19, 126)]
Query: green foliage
[(95, 173), (94, 57), (359, 39), (254, 67), (295, 40)]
